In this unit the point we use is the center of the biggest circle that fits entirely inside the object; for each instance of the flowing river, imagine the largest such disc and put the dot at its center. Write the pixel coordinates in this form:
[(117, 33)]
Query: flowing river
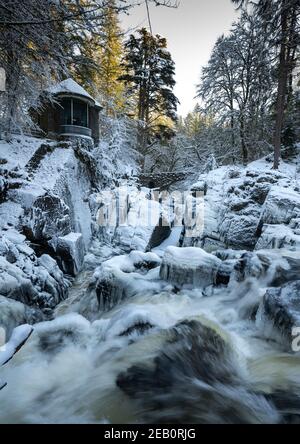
[(166, 356)]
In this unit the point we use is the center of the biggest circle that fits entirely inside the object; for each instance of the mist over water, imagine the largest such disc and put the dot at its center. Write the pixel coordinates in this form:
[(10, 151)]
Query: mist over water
[(177, 357)]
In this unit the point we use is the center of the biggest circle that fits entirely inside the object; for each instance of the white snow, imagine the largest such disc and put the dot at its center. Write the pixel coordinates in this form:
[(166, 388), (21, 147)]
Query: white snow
[(69, 86), (19, 151)]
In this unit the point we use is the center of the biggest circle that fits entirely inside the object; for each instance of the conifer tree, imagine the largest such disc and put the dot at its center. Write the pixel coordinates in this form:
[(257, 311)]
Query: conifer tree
[(149, 79), (108, 60)]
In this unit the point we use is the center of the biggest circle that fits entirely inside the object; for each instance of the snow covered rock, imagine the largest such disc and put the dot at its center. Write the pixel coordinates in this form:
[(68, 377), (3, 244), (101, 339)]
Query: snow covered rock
[(281, 206), (49, 217), (189, 266), (278, 236), (125, 276), (70, 250), (36, 282), (130, 218), (239, 229), (275, 267), (279, 314)]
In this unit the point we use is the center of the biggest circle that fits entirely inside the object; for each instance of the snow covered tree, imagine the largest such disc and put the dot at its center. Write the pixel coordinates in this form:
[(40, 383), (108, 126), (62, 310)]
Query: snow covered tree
[(149, 80), (237, 86), (281, 20)]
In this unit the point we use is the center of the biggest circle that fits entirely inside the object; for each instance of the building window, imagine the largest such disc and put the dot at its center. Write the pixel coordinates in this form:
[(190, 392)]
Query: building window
[(66, 112), (80, 110), (74, 112)]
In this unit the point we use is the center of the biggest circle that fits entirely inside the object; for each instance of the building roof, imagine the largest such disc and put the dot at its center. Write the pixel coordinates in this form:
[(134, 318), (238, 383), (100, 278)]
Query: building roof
[(69, 86)]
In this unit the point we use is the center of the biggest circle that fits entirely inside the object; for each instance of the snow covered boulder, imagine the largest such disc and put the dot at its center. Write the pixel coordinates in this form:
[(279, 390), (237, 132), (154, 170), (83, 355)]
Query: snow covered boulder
[(125, 276), (281, 206), (49, 217), (279, 314), (189, 266), (70, 250)]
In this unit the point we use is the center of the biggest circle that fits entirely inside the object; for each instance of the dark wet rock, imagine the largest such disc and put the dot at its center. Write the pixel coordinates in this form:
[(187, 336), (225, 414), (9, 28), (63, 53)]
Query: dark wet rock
[(225, 271), (139, 328), (194, 379), (70, 250), (279, 314), (160, 233)]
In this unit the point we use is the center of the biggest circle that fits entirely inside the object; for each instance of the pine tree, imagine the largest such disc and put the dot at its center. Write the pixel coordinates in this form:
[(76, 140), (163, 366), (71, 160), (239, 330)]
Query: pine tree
[(149, 80), (108, 60), (97, 66)]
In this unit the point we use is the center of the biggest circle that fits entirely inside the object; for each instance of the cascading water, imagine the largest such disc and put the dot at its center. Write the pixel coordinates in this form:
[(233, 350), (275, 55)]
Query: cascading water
[(161, 354)]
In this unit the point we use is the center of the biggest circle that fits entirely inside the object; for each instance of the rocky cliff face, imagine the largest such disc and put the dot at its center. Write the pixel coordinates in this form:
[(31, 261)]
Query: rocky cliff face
[(252, 208), (45, 223)]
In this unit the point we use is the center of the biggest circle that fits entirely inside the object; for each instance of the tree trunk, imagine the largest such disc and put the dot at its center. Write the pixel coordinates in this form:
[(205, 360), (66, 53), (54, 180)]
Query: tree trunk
[(282, 86), (243, 142)]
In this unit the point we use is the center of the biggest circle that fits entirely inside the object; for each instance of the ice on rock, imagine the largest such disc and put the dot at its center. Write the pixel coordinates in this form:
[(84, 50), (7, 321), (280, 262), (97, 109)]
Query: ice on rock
[(65, 330), (136, 227), (12, 314), (189, 266)]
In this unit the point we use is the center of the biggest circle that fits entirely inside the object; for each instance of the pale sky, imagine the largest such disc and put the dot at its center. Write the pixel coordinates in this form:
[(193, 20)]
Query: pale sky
[(191, 31)]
